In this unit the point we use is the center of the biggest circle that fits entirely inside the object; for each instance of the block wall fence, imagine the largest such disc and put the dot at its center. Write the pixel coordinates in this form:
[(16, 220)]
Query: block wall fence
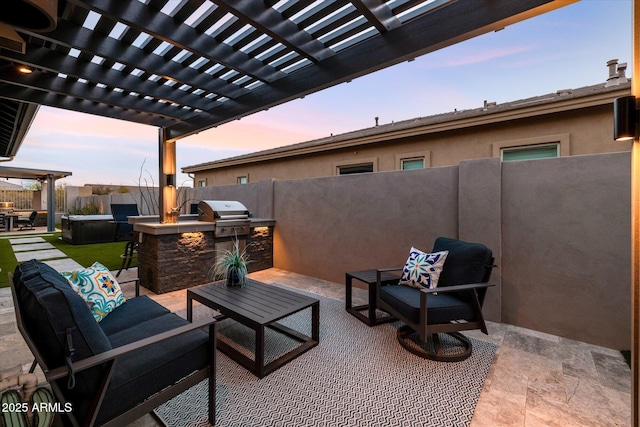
[(559, 230)]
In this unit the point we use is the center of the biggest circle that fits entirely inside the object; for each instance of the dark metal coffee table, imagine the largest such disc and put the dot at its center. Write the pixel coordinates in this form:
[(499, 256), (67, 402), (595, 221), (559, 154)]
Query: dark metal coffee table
[(257, 306)]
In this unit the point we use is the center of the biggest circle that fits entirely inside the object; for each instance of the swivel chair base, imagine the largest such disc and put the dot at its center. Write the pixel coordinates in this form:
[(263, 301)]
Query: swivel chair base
[(437, 353)]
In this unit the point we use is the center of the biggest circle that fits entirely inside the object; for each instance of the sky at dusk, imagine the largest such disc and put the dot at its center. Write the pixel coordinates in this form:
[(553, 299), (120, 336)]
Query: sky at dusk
[(563, 49)]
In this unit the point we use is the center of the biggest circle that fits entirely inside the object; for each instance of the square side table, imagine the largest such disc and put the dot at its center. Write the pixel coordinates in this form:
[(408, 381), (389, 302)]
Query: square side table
[(368, 277)]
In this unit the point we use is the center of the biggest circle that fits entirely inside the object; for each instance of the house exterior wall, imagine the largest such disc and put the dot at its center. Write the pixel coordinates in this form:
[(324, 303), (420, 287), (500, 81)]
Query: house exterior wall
[(579, 131)]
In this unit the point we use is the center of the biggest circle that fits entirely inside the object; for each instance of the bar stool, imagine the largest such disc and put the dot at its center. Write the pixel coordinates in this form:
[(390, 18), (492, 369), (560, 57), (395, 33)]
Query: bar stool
[(130, 252)]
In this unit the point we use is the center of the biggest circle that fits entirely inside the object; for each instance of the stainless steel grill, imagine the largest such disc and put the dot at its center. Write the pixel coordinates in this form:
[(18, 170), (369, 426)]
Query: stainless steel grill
[(232, 218)]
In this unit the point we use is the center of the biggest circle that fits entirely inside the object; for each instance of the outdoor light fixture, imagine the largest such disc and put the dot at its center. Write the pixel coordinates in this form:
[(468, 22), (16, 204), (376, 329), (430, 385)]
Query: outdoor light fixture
[(171, 180), (626, 118), (25, 69)]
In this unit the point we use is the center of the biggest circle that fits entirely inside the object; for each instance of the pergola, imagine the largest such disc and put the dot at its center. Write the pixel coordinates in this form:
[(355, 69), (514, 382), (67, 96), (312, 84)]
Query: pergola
[(185, 66), (42, 175)]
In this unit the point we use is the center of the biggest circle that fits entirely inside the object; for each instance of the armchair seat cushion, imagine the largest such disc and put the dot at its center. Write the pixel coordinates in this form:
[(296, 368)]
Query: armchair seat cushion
[(134, 312), (146, 371), (441, 307)]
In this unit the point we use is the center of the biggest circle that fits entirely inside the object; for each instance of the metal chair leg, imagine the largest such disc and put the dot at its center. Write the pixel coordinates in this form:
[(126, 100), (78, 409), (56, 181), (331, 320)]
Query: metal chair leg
[(127, 257)]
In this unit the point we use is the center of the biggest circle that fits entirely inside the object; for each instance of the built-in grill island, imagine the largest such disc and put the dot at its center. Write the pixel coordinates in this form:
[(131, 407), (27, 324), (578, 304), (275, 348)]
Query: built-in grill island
[(231, 217), (181, 255), (232, 222)]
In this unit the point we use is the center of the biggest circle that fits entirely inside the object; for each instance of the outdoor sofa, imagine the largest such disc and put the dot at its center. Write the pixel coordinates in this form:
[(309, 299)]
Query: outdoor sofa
[(113, 371)]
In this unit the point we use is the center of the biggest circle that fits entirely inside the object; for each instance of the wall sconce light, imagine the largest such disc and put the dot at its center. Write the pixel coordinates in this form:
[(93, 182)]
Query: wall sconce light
[(626, 118), (171, 180)]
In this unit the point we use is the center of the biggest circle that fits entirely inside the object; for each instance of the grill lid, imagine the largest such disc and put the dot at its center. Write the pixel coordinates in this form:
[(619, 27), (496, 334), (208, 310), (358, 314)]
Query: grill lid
[(215, 210)]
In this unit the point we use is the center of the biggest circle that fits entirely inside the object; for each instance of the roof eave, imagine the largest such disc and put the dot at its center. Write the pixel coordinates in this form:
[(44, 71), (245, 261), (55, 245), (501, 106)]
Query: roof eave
[(448, 122)]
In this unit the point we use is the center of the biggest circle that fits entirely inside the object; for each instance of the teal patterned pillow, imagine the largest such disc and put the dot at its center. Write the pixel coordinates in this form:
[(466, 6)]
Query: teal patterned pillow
[(422, 270), (98, 288)]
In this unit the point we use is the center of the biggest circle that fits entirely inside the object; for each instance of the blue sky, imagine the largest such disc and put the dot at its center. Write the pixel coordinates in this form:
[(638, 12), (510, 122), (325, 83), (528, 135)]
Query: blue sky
[(566, 48)]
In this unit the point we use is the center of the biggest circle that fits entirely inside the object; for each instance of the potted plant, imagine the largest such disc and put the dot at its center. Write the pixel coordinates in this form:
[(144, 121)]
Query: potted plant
[(231, 265)]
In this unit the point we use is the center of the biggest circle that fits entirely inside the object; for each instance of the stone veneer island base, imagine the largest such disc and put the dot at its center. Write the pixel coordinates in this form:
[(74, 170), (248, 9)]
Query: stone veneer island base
[(178, 256)]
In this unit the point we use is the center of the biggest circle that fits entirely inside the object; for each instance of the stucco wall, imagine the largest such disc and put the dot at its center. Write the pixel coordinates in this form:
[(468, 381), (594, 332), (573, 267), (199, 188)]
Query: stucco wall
[(480, 220), (559, 229), (566, 247), (328, 226)]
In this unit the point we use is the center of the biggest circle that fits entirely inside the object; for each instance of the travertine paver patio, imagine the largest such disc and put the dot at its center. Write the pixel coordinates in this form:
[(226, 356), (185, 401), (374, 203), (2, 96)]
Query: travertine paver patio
[(536, 379)]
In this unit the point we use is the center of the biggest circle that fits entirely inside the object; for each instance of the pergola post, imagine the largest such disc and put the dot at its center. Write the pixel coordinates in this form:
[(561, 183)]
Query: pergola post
[(168, 196), (51, 203), (635, 226)]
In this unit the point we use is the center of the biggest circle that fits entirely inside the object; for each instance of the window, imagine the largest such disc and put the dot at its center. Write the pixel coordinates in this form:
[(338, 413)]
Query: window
[(531, 152), (202, 183), (243, 179), (351, 169), (415, 163)]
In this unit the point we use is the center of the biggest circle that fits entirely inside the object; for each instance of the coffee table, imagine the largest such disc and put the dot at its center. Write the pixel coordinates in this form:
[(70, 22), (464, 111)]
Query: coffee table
[(258, 306)]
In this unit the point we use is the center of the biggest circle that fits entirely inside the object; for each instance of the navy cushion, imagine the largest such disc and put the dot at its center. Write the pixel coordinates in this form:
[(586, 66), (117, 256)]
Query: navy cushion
[(149, 370), (442, 308), (50, 308), (466, 262), (133, 312)]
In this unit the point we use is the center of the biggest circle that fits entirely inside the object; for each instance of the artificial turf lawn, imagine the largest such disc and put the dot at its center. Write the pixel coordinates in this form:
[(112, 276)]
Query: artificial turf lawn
[(107, 254)]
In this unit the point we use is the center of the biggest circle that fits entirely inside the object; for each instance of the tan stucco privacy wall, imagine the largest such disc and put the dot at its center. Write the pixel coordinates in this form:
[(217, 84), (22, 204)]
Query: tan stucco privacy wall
[(559, 229)]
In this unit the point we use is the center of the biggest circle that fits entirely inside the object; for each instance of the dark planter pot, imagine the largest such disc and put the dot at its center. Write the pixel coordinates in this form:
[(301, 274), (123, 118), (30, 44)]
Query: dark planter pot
[(235, 279)]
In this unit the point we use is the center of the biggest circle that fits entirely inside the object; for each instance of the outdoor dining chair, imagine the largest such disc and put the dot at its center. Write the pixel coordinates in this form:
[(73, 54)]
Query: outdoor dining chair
[(27, 223), (121, 212)]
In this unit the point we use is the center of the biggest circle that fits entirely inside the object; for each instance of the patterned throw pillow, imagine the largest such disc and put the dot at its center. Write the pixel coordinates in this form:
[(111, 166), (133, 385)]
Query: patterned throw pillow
[(422, 270), (98, 288)]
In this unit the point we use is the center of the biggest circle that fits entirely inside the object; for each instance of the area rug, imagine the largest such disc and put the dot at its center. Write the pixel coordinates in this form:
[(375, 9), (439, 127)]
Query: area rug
[(356, 376)]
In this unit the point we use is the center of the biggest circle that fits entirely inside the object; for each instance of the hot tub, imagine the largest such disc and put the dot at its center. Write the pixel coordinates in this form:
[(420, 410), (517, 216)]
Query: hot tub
[(85, 229)]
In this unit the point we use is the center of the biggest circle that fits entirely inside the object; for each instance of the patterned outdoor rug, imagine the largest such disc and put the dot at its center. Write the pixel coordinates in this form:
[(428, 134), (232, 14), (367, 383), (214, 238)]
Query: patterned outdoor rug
[(356, 376)]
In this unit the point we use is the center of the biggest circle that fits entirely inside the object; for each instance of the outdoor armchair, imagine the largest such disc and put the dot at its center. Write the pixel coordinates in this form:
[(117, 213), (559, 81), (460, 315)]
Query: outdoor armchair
[(27, 223), (443, 293)]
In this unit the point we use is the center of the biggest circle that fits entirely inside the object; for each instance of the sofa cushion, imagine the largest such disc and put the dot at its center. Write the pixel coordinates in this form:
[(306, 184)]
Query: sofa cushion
[(441, 307), (149, 370), (132, 313), (98, 288), (50, 310)]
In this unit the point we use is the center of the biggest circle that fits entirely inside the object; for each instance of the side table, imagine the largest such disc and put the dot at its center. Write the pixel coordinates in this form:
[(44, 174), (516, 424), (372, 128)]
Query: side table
[(368, 277)]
